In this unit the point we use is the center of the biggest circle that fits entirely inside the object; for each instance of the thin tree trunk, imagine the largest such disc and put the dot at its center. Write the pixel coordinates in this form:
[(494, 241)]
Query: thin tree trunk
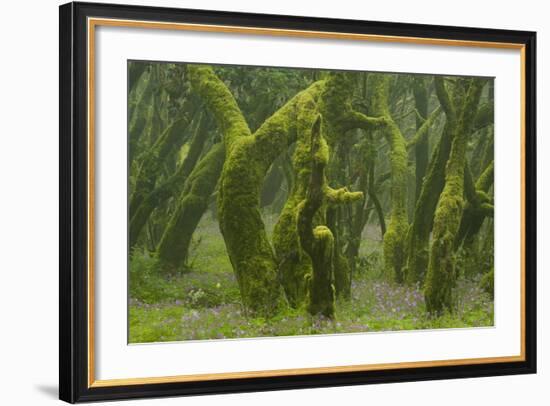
[(394, 238), (173, 248), (150, 162), (421, 149), (170, 187)]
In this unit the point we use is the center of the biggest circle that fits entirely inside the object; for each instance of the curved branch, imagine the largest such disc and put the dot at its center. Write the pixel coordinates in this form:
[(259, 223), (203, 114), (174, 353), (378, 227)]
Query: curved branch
[(356, 119), (221, 103), (423, 130), (444, 98)]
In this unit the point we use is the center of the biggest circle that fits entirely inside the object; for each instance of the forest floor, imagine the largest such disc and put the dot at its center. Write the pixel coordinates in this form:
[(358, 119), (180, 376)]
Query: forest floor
[(204, 302)]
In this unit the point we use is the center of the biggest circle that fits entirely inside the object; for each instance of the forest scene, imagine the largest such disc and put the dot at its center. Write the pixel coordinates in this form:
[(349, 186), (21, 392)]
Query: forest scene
[(267, 201)]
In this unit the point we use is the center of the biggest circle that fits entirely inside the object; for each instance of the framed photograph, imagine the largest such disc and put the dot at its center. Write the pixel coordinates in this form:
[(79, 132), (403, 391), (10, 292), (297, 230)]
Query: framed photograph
[(257, 202)]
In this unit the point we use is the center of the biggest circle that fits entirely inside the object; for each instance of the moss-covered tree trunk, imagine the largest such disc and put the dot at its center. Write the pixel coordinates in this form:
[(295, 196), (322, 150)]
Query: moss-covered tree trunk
[(332, 99), (373, 196), (139, 112), (360, 211), (418, 238), (169, 187), (421, 149), (248, 157), (394, 238), (173, 248), (149, 164), (135, 71), (477, 208), (440, 278), (317, 241)]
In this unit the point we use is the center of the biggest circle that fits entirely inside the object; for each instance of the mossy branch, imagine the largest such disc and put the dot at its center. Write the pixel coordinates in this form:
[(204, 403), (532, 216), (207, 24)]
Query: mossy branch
[(220, 101), (444, 97), (356, 119), (486, 178), (423, 131), (478, 207), (484, 116), (341, 195)]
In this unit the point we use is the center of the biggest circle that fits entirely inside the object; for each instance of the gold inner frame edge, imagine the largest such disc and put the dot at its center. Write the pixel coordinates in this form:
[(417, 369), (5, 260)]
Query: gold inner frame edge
[(94, 22)]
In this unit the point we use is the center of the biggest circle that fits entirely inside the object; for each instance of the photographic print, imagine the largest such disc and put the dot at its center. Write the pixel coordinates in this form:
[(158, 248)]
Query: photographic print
[(256, 202), (269, 201)]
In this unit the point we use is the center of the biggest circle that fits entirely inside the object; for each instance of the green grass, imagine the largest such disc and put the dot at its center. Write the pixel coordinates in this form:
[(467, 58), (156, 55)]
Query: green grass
[(204, 301)]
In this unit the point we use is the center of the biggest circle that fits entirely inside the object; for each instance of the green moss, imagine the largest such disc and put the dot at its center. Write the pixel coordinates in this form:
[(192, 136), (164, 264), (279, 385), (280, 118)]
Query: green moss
[(243, 229), (441, 276), (331, 98), (247, 162), (248, 157), (172, 186), (220, 102), (174, 245), (321, 290), (294, 264), (421, 148), (477, 208), (395, 236), (441, 273), (151, 161), (419, 232), (485, 180), (138, 119), (317, 241)]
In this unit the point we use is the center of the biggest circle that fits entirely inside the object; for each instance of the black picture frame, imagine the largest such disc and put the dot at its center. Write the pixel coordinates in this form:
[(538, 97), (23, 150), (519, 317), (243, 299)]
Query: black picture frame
[(73, 284)]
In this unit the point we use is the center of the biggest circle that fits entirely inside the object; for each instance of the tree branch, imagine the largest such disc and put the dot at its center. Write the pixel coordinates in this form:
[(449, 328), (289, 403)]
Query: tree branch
[(220, 101), (423, 130)]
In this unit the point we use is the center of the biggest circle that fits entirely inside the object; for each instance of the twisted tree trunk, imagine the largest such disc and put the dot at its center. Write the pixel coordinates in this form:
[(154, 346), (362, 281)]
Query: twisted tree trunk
[(440, 278), (333, 101), (317, 241)]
